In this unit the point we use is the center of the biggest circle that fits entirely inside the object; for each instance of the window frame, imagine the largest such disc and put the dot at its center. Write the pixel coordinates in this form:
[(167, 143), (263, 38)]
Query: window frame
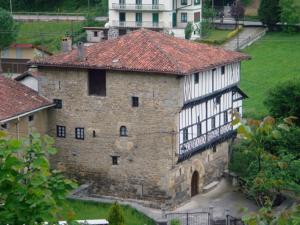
[(135, 101), (31, 118), (222, 70), (183, 17), (225, 117), (183, 2), (60, 131), (100, 91), (123, 131), (185, 134), (58, 103), (115, 160), (81, 133), (213, 122), (196, 78)]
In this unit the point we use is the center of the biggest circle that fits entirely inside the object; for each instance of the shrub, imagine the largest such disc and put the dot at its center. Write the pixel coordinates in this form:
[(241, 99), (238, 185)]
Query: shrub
[(268, 12), (283, 100), (289, 16), (188, 31), (116, 215), (175, 222)]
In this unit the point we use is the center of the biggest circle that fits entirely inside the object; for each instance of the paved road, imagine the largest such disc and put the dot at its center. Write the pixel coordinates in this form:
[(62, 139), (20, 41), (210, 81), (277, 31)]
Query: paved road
[(246, 37), (53, 17)]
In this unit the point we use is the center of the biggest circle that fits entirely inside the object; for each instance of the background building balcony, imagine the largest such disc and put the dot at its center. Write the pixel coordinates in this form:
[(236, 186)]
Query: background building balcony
[(134, 24), (135, 7)]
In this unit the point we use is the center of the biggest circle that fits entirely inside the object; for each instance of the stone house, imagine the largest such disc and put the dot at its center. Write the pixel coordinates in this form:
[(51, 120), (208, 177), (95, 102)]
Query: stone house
[(144, 116), (22, 110)]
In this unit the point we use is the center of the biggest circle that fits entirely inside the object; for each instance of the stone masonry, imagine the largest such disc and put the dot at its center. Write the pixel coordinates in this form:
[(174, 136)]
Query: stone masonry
[(147, 158)]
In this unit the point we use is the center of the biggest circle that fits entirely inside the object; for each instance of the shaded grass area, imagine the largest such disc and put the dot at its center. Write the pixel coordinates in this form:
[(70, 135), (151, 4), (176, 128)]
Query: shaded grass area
[(275, 58), (49, 34), (91, 210)]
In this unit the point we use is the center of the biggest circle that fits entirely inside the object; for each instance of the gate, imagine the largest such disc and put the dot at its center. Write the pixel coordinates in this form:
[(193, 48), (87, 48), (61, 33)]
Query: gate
[(194, 218)]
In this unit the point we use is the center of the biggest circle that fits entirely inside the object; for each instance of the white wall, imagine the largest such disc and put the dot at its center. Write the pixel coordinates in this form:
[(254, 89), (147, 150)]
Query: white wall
[(30, 82)]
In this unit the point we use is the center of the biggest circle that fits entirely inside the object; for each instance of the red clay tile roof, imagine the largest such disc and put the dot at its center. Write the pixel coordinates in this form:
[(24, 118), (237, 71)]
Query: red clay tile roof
[(16, 99), (147, 51)]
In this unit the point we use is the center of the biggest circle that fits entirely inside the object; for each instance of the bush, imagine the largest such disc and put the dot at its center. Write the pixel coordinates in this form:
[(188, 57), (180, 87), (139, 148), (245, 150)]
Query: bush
[(175, 222), (289, 16), (283, 100), (116, 215), (188, 31)]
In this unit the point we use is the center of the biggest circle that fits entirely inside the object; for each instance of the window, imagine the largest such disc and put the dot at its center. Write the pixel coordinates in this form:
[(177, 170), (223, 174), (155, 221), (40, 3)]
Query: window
[(213, 122), (94, 133), (30, 118), (223, 70), (155, 19), (196, 78), (197, 17), (138, 2), (237, 109), (214, 149), (79, 133), (135, 101), (95, 33), (122, 17), (225, 117), (183, 17), (183, 2), (97, 82), (185, 135), (218, 100), (5, 53), (60, 131), (58, 103), (199, 129), (123, 131), (138, 19), (115, 160), (196, 2), (4, 126)]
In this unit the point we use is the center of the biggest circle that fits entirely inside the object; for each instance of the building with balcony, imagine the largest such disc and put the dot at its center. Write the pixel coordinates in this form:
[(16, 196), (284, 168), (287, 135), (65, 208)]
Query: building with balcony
[(170, 16)]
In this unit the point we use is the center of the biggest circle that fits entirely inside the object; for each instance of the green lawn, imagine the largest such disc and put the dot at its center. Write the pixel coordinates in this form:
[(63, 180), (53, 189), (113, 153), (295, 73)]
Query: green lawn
[(89, 210), (47, 34), (216, 36), (275, 58)]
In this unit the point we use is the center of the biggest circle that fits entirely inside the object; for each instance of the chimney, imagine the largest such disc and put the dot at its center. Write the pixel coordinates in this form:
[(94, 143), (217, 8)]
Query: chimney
[(80, 51), (66, 44)]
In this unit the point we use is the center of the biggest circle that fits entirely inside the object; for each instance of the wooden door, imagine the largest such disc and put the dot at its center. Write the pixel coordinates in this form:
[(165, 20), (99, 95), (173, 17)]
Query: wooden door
[(195, 184)]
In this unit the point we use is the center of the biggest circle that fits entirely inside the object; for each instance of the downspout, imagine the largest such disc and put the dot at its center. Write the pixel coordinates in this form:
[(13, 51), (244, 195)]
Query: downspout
[(18, 129)]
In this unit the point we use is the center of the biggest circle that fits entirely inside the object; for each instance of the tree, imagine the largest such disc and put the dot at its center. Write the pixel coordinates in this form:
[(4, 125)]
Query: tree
[(30, 192), (7, 30), (116, 215), (269, 12), (188, 31), (289, 15), (283, 100), (265, 175), (237, 12)]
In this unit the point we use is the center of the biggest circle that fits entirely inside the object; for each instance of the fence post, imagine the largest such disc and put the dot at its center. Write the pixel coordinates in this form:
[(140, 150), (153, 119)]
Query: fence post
[(187, 218), (211, 215), (227, 216)]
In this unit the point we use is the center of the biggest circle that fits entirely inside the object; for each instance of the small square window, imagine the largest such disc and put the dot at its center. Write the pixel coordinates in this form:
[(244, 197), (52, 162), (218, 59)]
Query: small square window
[(183, 2), (79, 133), (4, 126), (114, 160), (95, 33), (135, 101), (196, 78), (223, 70), (30, 118), (214, 149), (58, 103), (60, 131), (213, 122), (225, 117)]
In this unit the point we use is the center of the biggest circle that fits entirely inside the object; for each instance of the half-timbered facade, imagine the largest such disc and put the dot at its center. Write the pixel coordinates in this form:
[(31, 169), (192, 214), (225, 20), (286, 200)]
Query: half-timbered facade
[(210, 98), (143, 116)]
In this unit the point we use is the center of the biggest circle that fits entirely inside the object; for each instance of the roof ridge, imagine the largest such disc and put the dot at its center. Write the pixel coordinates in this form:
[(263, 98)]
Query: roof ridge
[(160, 49)]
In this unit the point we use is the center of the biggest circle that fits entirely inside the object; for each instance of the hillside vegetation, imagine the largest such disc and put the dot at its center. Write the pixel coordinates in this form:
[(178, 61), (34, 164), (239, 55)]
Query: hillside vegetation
[(97, 7), (275, 58)]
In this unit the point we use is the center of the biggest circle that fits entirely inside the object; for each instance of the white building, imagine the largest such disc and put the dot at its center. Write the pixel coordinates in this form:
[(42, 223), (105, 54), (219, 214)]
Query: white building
[(170, 16)]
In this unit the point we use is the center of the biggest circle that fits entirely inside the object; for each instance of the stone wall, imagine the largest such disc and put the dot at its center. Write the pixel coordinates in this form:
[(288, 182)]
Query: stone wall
[(147, 157)]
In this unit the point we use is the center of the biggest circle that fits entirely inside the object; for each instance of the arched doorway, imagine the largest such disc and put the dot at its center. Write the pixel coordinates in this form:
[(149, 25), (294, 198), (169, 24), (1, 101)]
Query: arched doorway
[(195, 184)]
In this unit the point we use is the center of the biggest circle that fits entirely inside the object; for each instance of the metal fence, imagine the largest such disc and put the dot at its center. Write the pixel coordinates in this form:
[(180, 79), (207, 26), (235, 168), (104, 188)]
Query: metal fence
[(195, 218)]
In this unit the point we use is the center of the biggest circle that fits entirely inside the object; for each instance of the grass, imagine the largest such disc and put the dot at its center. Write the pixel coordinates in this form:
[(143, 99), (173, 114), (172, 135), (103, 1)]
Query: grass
[(47, 34), (216, 36), (275, 59), (90, 210)]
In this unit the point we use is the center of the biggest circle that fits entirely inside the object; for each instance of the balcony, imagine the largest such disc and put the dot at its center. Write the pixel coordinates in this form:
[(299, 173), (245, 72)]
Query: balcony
[(135, 7), (134, 24)]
